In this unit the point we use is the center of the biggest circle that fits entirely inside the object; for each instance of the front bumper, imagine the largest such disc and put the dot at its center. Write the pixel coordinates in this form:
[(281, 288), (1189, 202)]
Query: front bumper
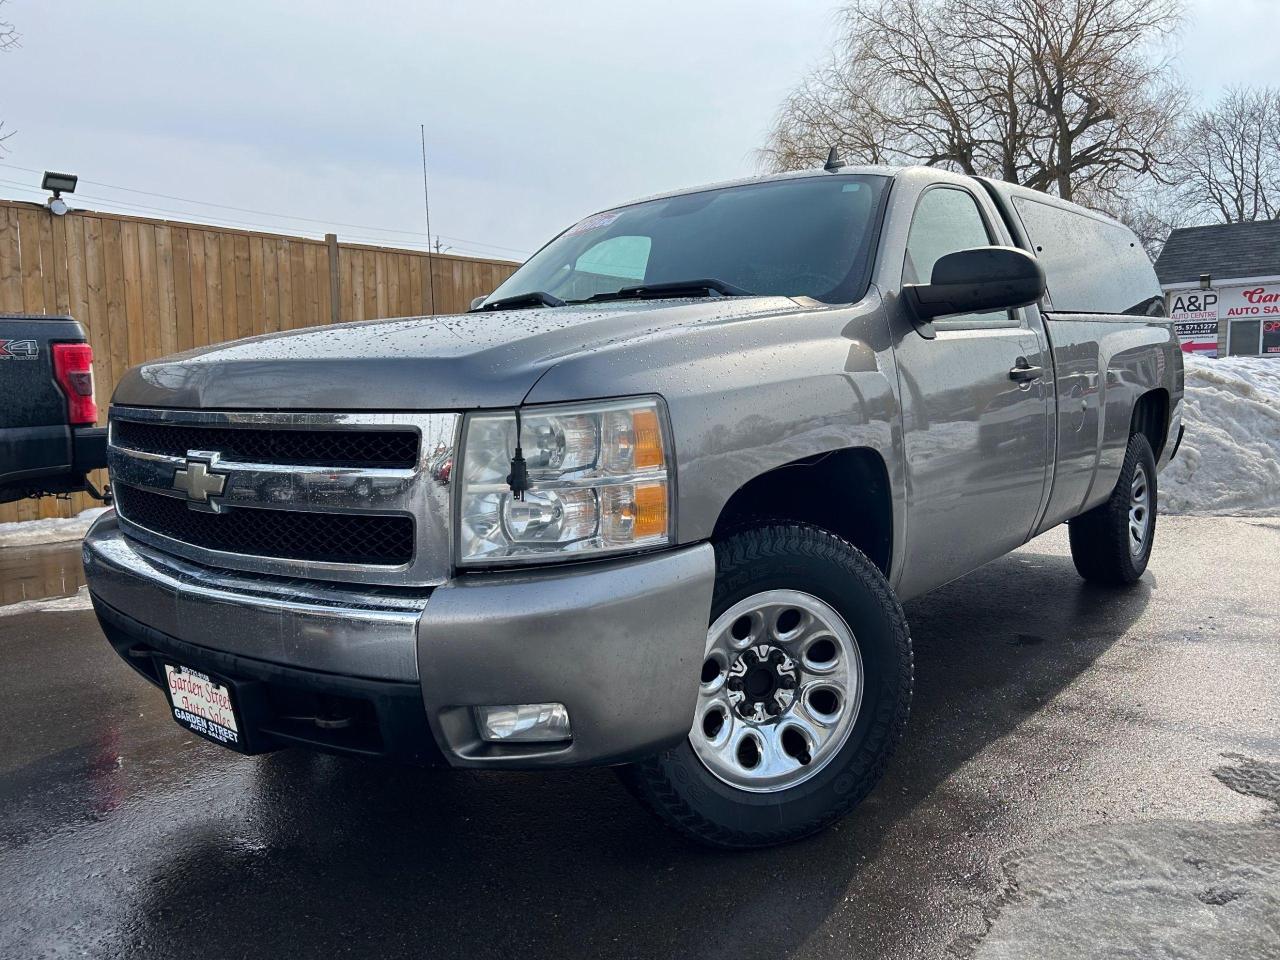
[(620, 643)]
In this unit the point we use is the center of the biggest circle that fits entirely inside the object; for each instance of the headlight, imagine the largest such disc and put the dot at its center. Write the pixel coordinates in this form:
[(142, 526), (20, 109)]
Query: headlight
[(600, 481)]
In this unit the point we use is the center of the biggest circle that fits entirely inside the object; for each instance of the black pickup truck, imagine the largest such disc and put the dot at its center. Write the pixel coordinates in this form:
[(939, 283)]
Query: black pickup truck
[(48, 440)]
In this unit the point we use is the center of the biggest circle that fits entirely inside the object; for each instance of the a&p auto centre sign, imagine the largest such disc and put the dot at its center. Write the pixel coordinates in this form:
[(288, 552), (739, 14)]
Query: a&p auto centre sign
[(1195, 317)]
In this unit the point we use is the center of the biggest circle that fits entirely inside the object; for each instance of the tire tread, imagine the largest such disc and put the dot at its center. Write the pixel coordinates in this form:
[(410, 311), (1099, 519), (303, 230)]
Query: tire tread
[(778, 542), (1100, 538)]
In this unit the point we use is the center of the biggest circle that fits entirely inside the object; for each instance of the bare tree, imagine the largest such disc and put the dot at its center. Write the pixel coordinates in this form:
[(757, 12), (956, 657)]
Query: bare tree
[(902, 86), (832, 107), (8, 33), (1149, 208), (1058, 95), (9, 37), (1228, 163)]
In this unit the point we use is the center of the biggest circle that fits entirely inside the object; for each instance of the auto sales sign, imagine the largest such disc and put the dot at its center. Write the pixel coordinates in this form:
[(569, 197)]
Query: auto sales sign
[(1195, 318), (1260, 302)]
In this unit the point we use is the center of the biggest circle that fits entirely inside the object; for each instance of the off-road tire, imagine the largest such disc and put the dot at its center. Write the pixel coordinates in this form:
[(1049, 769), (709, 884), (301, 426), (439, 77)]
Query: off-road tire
[(1100, 545), (686, 796)]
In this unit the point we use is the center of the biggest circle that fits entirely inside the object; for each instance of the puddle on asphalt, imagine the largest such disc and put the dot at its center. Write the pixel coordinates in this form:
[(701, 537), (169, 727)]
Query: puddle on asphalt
[(1253, 778), (39, 572)]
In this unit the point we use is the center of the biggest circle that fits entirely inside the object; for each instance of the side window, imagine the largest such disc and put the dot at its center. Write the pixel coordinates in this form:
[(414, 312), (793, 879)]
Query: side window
[(618, 261), (947, 219), (1097, 265)]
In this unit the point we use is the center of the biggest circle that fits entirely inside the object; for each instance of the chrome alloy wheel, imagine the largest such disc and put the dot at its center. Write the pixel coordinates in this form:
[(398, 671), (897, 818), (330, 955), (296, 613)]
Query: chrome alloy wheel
[(1139, 511), (781, 688)]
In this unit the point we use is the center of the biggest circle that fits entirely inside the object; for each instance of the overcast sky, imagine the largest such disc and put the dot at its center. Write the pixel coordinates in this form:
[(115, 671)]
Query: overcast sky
[(535, 113)]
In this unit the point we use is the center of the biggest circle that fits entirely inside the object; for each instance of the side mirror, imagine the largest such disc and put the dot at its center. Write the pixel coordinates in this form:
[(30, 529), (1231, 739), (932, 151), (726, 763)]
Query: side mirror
[(476, 301), (975, 281)]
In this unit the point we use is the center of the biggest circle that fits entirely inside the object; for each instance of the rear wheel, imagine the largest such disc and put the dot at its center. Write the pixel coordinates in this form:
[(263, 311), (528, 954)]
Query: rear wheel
[(805, 689), (1111, 544)]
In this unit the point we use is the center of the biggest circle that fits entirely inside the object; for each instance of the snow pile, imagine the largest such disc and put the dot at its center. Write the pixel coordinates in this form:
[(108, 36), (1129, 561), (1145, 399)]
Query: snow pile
[(25, 533), (1229, 461)]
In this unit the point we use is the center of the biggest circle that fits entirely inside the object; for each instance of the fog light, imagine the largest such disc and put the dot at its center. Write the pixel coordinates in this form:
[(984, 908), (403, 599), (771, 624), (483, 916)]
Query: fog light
[(524, 723)]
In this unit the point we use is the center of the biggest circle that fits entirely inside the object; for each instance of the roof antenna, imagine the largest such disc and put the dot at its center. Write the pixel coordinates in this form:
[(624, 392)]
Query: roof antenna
[(833, 161)]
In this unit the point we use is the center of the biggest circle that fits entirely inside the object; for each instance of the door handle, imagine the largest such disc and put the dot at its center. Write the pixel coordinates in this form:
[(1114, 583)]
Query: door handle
[(1023, 372)]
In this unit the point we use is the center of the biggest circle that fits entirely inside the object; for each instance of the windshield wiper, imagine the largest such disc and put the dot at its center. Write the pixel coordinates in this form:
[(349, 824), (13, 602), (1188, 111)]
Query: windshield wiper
[(536, 298), (675, 288)]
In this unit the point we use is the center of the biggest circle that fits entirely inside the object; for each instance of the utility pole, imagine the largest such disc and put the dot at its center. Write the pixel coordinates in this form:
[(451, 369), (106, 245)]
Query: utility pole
[(426, 208)]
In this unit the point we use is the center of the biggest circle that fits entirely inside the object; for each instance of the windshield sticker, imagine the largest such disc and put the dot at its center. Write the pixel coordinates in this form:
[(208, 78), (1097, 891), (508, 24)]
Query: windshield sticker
[(597, 222)]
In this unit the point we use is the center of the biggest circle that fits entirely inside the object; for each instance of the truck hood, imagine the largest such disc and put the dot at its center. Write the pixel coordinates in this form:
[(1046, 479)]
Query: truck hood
[(452, 362)]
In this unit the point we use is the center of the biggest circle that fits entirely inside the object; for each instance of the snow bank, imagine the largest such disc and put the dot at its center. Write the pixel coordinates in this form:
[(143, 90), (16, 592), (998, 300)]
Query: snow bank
[(25, 533), (1229, 462), (77, 601)]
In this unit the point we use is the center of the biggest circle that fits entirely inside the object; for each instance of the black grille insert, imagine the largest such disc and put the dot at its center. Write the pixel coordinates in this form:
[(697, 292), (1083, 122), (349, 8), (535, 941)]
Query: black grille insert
[(300, 447), (263, 532)]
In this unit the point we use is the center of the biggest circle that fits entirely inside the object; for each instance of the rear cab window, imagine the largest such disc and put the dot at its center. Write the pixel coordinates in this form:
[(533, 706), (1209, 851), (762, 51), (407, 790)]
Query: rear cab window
[(1091, 264)]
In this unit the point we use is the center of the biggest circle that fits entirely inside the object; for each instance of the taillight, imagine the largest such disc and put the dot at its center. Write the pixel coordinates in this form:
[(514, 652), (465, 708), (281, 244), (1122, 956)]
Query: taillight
[(73, 369)]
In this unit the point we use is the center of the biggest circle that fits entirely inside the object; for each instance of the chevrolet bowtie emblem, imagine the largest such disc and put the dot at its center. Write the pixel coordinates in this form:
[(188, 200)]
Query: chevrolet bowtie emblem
[(197, 482)]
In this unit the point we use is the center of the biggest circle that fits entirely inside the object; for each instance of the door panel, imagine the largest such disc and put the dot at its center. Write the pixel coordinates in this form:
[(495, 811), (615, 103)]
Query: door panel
[(977, 440), (1080, 385), (977, 450)]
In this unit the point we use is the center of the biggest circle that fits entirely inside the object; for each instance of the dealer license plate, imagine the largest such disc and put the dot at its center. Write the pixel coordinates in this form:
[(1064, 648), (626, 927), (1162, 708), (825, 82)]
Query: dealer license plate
[(203, 705)]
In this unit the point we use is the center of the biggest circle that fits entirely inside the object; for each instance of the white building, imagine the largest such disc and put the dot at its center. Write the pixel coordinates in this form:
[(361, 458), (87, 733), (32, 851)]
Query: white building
[(1222, 285)]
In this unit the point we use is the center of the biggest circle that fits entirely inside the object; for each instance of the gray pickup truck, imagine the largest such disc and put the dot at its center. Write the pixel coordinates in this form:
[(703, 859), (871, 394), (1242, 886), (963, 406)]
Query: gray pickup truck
[(654, 502)]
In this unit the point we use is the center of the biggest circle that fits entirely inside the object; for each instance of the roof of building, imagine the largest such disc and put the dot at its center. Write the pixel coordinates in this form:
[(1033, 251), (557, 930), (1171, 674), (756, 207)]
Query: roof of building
[(1223, 250)]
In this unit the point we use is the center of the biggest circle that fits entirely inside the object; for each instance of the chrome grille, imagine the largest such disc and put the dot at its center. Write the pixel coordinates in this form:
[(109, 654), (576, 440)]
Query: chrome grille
[(263, 532), (328, 496), (325, 448)]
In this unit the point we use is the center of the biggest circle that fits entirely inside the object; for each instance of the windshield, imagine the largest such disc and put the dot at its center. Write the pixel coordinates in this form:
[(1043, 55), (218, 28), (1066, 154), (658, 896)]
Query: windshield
[(808, 237)]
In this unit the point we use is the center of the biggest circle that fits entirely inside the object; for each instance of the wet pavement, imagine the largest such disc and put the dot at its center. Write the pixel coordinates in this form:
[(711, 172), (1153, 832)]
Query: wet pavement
[(1087, 773), (36, 573)]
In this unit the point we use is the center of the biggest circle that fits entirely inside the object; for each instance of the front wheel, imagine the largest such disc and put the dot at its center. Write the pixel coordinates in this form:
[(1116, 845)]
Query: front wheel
[(805, 689)]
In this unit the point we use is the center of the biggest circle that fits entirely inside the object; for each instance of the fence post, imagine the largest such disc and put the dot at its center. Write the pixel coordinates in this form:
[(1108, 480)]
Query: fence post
[(335, 309)]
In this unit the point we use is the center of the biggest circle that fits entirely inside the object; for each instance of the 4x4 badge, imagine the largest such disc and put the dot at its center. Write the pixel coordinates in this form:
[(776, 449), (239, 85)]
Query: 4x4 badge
[(19, 349)]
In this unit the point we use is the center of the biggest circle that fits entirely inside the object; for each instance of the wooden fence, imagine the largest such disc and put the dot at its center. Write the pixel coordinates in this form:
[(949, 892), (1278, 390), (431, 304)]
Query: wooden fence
[(146, 288)]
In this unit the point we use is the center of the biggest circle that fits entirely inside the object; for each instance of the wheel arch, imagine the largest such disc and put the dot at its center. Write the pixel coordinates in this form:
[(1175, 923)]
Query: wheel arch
[(844, 491), (1151, 419)]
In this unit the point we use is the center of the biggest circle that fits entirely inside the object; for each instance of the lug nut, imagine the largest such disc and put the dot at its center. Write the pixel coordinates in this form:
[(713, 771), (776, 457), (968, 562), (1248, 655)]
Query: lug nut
[(735, 683)]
